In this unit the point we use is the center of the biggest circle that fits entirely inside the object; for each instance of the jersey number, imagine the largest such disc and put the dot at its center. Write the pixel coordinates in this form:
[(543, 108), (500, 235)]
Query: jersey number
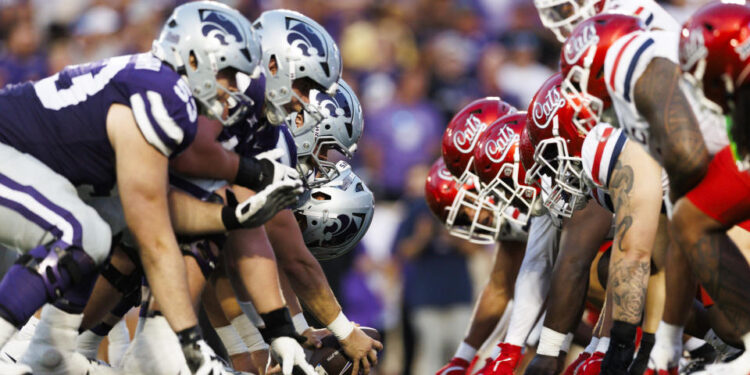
[(85, 80)]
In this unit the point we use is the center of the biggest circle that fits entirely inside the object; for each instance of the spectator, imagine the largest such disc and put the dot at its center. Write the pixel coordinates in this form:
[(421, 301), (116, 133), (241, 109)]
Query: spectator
[(401, 134), (437, 286), (522, 75), (22, 60)]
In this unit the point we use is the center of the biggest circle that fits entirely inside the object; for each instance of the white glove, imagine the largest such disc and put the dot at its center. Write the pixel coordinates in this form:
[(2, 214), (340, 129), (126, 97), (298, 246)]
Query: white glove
[(281, 172), (288, 352), (261, 207), (201, 355)]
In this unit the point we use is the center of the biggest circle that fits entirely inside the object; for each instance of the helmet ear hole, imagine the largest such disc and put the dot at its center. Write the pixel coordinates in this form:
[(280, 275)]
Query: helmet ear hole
[(193, 61), (321, 196), (273, 65)]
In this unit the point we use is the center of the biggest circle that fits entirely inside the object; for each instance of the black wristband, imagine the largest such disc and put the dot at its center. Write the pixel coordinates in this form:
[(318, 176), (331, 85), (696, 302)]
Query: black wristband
[(278, 323), (254, 174), (623, 332), (229, 218), (189, 336)]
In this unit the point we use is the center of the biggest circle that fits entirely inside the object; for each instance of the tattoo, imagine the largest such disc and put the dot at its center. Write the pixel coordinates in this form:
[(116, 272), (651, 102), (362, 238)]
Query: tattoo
[(674, 132), (723, 271), (629, 280), (620, 186)]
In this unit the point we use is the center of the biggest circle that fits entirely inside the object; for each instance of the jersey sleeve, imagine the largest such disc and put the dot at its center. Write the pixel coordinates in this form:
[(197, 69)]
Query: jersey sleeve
[(164, 108), (629, 57), (600, 151)]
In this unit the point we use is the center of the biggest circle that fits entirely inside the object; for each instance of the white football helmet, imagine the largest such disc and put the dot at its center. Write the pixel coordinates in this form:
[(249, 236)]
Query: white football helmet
[(562, 16), (337, 124), (301, 48), (216, 37), (337, 215)]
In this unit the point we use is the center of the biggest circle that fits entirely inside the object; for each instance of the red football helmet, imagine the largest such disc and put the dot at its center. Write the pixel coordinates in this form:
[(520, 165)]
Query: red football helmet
[(714, 50), (458, 206), (557, 142), (464, 130), (498, 165), (582, 63)]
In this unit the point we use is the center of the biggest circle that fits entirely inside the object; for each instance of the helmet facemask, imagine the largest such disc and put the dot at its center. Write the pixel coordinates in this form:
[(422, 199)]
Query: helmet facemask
[(562, 16), (473, 216), (588, 108)]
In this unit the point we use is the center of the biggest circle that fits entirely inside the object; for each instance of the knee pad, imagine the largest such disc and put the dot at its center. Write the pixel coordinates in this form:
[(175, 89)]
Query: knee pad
[(201, 251), (57, 272), (129, 285)]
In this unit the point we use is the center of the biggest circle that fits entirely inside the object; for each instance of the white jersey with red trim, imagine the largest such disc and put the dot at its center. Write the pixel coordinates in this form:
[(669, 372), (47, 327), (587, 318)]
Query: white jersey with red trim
[(600, 151), (651, 13), (624, 65)]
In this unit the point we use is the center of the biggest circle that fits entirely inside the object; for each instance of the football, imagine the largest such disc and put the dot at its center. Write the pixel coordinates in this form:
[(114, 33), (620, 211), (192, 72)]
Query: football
[(330, 360)]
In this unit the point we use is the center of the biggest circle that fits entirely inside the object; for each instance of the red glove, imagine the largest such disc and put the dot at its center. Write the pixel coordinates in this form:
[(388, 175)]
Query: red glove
[(457, 366)]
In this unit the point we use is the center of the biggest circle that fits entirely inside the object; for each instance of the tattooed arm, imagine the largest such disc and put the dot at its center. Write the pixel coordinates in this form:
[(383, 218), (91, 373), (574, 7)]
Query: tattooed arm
[(635, 187), (674, 131)]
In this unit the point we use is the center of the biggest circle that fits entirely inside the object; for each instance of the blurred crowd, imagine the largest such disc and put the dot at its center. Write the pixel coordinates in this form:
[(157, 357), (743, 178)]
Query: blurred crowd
[(413, 64)]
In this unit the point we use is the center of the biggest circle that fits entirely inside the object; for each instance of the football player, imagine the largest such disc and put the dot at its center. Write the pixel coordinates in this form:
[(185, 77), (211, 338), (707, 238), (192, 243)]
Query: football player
[(133, 112)]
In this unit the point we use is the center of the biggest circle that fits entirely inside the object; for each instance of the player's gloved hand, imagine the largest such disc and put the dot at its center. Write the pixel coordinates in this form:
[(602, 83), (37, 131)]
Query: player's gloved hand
[(285, 342), (542, 365), (263, 170), (261, 207), (200, 358), (289, 353), (361, 349)]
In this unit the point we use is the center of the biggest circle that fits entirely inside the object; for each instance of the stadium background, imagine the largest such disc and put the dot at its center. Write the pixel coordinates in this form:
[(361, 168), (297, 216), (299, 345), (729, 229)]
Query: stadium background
[(413, 64)]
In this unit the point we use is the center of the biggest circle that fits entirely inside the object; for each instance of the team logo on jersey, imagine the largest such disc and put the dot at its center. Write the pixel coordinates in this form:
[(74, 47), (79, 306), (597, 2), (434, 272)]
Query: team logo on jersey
[(692, 49), (219, 26), (497, 148), (303, 36), (545, 112), (579, 43), (466, 138)]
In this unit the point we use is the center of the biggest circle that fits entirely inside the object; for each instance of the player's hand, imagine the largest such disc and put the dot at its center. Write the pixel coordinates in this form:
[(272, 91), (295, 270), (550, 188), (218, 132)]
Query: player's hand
[(261, 207), (314, 337), (202, 360), (542, 365), (289, 353), (361, 349), (272, 170)]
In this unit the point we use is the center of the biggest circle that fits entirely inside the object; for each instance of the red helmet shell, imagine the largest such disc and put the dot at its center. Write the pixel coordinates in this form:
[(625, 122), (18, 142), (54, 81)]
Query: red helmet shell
[(440, 189), (551, 115), (595, 35), (466, 127), (497, 149), (715, 48)]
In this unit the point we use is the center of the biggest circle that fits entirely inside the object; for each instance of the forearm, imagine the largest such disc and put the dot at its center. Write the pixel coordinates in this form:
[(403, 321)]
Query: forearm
[(167, 278), (191, 216), (252, 269), (304, 272), (288, 292), (497, 292)]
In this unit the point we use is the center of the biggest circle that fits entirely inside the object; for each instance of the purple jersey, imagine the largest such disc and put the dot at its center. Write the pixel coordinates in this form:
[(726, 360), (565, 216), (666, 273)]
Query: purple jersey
[(61, 120), (253, 134)]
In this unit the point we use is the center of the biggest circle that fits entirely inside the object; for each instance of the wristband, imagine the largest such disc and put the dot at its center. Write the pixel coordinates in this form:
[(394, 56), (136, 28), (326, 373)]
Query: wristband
[(603, 345), (565, 347), (341, 327), (249, 333), (300, 324), (253, 173), (249, 309), (278, 324), (189, 335), (229, 218), (231, 340), (550, 342)]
